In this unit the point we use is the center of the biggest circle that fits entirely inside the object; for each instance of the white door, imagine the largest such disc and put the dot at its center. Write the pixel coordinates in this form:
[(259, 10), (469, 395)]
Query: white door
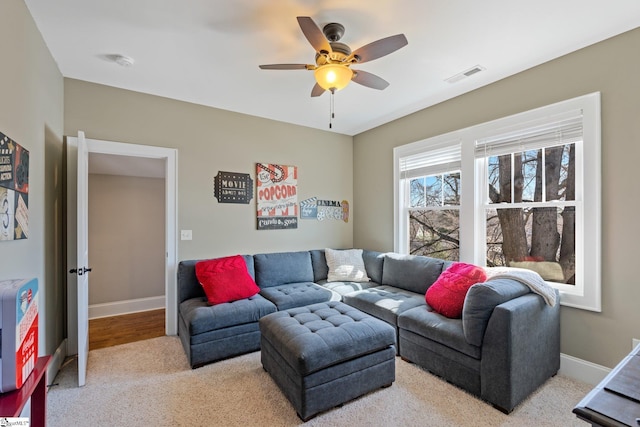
[(83, 258)]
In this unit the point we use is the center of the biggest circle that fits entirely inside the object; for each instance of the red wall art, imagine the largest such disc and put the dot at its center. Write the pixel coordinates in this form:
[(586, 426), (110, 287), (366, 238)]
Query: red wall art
[(277, 196)]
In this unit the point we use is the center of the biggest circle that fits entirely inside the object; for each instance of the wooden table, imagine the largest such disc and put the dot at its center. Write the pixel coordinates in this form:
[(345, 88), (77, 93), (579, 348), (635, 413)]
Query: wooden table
[(616, 400), (35, 387)]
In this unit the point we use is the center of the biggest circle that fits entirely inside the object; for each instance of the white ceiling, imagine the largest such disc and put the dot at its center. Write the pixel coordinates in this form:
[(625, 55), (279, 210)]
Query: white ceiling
[(208, 51)]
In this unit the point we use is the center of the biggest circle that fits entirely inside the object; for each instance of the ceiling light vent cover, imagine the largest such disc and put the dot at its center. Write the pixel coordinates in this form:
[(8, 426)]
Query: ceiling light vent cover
[(123, 61), (467, 73)]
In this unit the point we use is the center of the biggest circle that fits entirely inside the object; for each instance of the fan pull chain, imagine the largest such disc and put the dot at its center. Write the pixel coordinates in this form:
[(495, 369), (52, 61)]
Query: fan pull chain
[(332, 114)]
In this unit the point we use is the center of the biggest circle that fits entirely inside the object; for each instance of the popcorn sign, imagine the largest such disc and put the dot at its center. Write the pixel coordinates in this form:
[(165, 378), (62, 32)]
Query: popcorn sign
[(277, 196)]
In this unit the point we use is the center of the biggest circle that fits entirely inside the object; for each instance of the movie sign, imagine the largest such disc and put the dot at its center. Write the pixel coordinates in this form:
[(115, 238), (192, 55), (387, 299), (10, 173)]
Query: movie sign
[(14, 190), (233, 187), (277, 196)]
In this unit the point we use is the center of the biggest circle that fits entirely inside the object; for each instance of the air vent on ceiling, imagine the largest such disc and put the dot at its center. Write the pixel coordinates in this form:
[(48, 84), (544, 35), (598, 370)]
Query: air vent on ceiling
[(467, 73)]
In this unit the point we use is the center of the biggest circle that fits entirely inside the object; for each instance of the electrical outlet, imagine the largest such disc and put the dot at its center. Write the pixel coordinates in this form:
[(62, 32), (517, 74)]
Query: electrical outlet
[(634, 342), (186, 235)]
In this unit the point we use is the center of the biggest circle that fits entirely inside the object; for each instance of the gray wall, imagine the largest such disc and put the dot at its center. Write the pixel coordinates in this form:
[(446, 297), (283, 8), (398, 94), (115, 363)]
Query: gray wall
[(31, 113), (211, 140), (126, 238), (611, 67)]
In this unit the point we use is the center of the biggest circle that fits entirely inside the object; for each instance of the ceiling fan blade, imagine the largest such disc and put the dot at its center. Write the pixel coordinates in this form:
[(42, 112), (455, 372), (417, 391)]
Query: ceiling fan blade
[(317, 90), (369, 80), (314, 34), (283, 67), (379, 48)]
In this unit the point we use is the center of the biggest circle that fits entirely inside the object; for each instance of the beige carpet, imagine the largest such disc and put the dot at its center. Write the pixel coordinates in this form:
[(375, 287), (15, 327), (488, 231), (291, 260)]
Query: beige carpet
[(149, 383)]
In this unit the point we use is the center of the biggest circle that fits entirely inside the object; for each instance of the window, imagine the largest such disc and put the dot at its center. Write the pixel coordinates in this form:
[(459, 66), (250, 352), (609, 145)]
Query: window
[(511, 192), (430, 196)]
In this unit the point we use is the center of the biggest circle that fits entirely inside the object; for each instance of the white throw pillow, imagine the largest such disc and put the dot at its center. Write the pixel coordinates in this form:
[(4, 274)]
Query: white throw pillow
[(345, 265)]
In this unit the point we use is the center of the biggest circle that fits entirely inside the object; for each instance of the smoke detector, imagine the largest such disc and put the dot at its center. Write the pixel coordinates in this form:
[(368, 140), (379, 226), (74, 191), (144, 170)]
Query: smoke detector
[(123, 61)]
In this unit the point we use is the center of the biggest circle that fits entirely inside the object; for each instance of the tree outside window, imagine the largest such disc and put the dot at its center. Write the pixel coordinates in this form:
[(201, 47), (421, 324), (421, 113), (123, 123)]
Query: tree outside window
[(530, 217), (434, 220)]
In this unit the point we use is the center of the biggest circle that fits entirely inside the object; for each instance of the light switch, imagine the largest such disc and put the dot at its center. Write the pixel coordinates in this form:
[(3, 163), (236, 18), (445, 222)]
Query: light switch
[(185, 235)]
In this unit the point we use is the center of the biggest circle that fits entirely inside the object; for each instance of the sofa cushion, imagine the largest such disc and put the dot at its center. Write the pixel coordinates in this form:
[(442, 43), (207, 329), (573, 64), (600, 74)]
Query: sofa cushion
[(319, 265), (411, 272), (384, 302), (200, 317), (276, 269), (225, 279), (373, 263), (188, 284), (343, 288), (296, 295), (446, 295), (345, 265), (481, 299), (435, 327)]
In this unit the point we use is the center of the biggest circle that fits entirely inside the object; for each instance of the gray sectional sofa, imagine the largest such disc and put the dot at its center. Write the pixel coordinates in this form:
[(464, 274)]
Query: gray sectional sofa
[(506, 344)]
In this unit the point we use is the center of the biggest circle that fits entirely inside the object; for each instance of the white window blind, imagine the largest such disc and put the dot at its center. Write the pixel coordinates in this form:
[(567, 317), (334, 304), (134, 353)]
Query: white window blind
[(552, 132), (432, 162)]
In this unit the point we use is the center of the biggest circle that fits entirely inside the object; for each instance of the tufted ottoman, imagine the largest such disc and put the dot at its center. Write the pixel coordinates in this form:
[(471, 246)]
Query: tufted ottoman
[(326, 354)]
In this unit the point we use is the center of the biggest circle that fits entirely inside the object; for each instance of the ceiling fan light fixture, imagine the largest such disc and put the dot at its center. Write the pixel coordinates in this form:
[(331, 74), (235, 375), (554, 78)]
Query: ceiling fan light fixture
[(333, 76)]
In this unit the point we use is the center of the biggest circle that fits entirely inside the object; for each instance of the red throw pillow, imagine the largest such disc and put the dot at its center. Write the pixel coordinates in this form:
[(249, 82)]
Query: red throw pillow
[(446, 295), (225, 279)]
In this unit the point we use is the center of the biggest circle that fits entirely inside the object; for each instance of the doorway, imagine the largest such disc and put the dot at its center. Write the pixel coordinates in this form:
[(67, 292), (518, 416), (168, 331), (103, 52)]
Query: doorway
[(126, 229), (123, 153)]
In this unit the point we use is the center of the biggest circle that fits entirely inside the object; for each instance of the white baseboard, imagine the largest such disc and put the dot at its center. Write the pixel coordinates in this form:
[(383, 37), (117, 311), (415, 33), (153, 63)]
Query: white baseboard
[(125, 307), (582, 370), (57, 360)]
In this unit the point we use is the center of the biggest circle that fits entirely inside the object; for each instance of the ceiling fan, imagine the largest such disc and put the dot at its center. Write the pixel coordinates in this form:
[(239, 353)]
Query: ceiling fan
[(332, 69)]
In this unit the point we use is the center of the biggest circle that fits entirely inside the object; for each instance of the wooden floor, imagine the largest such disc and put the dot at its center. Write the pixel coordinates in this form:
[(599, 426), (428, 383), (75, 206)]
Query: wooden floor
[(109, 331)]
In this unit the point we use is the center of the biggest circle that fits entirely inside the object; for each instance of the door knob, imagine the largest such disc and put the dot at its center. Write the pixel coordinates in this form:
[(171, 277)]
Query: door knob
[(80, 271), (83, 270)]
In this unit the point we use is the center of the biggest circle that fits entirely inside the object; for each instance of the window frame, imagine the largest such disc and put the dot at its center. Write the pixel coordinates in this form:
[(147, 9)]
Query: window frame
[(586, 293)]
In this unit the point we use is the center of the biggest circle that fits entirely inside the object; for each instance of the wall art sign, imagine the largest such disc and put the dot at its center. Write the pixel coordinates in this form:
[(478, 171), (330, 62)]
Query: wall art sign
[(309, 208), (277, 196), (332, 209), (233, 187), (313, 208), (14, 190)]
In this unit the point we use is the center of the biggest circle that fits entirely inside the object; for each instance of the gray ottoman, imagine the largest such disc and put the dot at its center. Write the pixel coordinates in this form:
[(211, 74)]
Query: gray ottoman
[(326, 354)]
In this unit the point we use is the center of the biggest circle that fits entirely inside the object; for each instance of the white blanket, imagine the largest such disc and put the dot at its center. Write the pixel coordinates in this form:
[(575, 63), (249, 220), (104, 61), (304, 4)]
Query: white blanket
[(527, 277)]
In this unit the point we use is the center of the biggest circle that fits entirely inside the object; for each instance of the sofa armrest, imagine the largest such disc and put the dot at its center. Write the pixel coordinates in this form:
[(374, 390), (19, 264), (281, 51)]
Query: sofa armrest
[(188, 285), (481, 300), (520, 350)]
